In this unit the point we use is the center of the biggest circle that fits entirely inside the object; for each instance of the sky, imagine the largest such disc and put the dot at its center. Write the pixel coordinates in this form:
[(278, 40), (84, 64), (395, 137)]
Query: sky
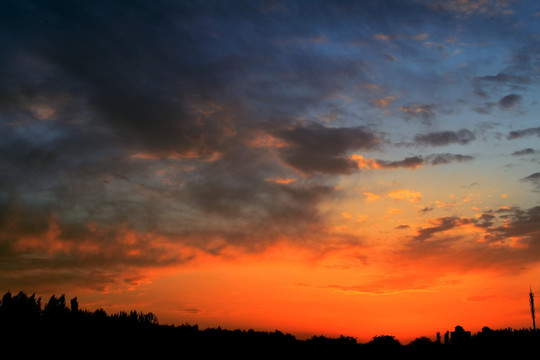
[(316, 167)]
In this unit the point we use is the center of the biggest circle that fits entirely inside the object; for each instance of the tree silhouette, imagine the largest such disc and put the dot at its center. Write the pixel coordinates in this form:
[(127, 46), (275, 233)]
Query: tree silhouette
[(25, 325), (74, 305)]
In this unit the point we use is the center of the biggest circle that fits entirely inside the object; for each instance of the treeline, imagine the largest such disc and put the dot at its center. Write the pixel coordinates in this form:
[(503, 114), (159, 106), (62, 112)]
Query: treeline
[(59, 328), (21, 310)]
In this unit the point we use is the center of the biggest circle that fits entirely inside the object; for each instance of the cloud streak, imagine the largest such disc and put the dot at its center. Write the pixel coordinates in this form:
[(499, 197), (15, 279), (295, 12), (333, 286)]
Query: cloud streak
[(413, 162), (443, 138), (517, 134)]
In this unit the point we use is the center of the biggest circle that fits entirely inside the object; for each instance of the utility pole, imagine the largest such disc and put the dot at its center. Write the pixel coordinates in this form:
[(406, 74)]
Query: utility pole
[(531, 303)]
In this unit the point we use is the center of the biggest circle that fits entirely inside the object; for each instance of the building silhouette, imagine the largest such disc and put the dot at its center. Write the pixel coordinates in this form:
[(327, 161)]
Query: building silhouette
[(459, 335)]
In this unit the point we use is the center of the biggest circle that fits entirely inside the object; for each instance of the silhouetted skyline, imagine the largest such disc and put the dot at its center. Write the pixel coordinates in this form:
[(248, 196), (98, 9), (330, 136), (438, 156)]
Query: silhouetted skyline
[(57, 328)]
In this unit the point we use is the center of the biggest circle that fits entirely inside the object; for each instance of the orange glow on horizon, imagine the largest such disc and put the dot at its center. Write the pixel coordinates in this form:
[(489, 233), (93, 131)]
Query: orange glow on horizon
[(344, 289)]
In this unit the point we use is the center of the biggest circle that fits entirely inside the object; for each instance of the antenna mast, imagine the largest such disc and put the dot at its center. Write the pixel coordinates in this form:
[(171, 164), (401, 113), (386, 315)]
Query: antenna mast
[(531, 303)]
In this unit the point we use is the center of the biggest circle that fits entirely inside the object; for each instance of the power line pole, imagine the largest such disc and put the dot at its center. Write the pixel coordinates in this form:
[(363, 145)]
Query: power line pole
[(531, 303)]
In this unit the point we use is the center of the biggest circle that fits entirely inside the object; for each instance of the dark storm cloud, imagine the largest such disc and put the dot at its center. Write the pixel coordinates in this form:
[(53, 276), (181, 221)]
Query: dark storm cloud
[(442, 138), (516, 134), (508, 102), (318, 149)]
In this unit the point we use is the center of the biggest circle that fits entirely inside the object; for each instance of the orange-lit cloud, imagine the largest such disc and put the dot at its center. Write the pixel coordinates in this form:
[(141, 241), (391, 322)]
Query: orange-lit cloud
[(282, 180), (412, 162), (404, 194), (371, 197), (373, 87), (382, 37), (365, 163), (384, 102), (192, 154), (266, 140)]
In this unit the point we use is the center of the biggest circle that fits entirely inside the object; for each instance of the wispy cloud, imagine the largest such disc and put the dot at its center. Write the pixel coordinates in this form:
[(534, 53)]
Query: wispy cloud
[(442, 138), (517, 134), (425, 113), (527, 151)]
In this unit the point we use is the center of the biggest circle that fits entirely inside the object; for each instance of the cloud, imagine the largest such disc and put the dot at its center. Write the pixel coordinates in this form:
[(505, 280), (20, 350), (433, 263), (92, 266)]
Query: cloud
[(384, 102), (409, 162), (439, 159), (485, 109), (426, 113), (405, 194), (412, 162), (502, 240), (473, 7), (443, 138), (46, 249), (534, 179), (439, 225), (371, 197), (506, 78), (401, 36), (527, 151), (517, 134), (508, 102), (119, 153), (522, 224), (189, 149), (282, 180), (390, 57), (318, 149), (381, 37)]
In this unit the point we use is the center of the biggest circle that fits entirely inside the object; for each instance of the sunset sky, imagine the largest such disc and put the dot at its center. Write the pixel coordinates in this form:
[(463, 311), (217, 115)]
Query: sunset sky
[(317, 167)]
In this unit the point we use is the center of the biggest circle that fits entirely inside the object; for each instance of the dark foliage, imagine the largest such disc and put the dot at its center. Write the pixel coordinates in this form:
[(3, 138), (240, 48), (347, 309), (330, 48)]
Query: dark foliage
[(57, 329)]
